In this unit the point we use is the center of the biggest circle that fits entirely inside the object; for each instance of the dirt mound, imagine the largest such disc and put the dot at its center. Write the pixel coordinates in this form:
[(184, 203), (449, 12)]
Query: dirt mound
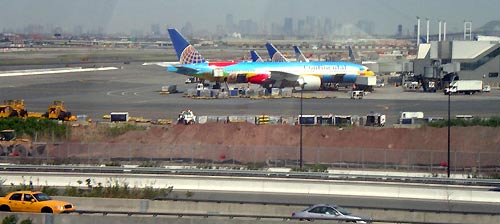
[(249, 143), (467, 139)]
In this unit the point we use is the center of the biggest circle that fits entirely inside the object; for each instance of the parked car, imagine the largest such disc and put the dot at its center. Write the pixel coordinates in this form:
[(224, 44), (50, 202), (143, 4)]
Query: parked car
[(33, 201), (327, 211)]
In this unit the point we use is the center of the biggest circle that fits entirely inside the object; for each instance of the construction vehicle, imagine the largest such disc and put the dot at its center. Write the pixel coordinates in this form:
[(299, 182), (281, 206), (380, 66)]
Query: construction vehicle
[(58, 111), (13, 108), (186, 117), (12, 146)]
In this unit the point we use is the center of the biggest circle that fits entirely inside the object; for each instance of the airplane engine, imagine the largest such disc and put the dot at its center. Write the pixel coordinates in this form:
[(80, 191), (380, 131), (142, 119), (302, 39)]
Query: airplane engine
[(311, 82)]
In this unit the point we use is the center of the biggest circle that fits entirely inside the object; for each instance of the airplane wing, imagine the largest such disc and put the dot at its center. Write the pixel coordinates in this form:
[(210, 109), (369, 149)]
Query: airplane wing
[(162, 64), (185, 70), (279, 75)]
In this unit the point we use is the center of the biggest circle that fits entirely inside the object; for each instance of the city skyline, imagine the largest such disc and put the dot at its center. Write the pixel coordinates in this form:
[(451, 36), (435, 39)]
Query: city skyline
[(127, 16)]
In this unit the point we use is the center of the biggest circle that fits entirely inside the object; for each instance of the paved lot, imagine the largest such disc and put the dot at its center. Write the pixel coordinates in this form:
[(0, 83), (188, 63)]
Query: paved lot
[(135, 88)]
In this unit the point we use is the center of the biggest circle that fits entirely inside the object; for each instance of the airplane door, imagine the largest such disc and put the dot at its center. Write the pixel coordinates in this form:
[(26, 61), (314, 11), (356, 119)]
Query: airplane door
[(218, 72)]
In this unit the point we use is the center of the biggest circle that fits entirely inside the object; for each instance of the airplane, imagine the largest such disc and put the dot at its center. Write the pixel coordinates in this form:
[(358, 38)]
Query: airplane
[(192, 63), (299, 56), (274, 54), (352, 58), (307, 75), (255, 56), (277, 56)]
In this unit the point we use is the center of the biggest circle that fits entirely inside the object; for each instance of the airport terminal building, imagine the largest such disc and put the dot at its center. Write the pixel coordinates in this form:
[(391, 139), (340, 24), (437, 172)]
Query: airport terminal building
[(470, 60)]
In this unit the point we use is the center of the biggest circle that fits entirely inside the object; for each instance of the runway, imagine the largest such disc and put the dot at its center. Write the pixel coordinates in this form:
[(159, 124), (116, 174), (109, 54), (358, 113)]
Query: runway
[(135, 88)]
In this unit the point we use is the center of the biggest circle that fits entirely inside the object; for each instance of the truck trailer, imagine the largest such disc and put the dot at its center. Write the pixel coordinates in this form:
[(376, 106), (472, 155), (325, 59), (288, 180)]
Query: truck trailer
[(464, 86)]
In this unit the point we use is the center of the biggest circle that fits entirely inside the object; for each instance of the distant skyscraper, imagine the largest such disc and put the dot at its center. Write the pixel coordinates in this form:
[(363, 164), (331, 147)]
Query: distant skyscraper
[(301, 27), (187, 30), (400, 30), (248, 27), (230, 27), (288, 26), (327, 27), (155, 30), (415, 31), (366, 26), (310, 25)]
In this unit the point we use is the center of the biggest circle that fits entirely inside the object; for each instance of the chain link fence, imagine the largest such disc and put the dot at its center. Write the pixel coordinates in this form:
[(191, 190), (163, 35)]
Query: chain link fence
[(261, 156)]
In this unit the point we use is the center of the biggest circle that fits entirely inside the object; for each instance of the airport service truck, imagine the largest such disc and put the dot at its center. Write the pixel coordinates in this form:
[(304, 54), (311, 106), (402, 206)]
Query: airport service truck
[(366, 83), (465, 87)]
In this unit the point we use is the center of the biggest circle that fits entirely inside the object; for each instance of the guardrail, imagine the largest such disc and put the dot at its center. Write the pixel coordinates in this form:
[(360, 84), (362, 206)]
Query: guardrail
[(241, 216), (352, 207), (254, 173)]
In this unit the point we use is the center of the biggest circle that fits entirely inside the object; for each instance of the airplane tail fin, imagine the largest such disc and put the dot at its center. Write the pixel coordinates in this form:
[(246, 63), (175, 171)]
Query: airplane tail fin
[(255, 56), (185, 51), (351, 54), (299, 56), (274, 54)]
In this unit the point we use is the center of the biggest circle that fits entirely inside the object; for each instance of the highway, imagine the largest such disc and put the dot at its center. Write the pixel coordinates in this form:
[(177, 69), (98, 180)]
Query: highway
[(135, 88)]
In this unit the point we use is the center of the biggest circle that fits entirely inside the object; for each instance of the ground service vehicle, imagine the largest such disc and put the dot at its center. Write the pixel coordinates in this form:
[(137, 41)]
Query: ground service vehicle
[(326, 211), (13, 108), (33, 201), (375, 119), (356, 94), (186, 117), (58, 111), (11, 146), (464, 86)]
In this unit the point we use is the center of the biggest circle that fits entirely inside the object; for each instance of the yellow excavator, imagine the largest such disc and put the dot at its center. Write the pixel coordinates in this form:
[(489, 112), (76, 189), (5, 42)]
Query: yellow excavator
[(13, 108), (58, 111)]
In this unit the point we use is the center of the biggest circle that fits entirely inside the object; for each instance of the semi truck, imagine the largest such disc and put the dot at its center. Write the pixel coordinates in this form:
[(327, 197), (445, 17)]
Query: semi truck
[(464, 86)]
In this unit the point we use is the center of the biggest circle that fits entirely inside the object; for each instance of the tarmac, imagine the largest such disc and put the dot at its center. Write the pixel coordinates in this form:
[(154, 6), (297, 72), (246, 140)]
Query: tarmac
[(136, 89)]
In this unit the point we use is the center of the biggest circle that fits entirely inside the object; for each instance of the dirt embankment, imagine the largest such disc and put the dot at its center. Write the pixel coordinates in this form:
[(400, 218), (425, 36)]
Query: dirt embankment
[(463, 139)]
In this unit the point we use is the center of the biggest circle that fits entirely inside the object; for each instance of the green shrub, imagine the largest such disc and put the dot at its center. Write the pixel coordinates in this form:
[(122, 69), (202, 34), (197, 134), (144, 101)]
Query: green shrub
[(11, 219), (489, 122), (41, 128), (121, 129), (255, 166), (26, 221)]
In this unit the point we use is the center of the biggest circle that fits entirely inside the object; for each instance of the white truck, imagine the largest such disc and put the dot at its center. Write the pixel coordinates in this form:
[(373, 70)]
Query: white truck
[(366, 83), (465, 87)]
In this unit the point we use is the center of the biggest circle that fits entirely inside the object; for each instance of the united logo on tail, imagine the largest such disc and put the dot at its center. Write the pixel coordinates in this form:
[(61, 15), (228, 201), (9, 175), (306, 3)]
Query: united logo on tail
[(191, 56), (185, 51)]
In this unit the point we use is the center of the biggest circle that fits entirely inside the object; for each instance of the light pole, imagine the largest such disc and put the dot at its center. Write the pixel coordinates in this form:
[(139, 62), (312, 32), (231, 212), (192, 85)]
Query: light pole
[(449, 124), (301, 83)]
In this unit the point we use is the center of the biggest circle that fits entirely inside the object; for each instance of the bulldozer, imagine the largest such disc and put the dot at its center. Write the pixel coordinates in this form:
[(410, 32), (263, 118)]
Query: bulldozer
[(58, 111), (13, 108), (12, 146)]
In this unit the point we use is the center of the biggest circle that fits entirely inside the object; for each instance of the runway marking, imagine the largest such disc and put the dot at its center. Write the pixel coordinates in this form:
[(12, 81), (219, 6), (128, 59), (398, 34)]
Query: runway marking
[(52, 71)]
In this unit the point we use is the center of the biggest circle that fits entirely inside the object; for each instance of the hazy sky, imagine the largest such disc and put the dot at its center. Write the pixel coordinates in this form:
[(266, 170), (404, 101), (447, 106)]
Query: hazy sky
[(127, 15)]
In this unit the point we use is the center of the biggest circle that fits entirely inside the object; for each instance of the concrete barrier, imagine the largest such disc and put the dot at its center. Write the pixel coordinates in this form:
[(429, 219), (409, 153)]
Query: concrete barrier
[(112, 219), (270, 185), (140, 205)]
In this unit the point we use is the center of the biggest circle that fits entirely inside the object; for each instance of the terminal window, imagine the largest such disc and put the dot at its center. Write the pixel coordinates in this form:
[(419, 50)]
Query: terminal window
[(493, 74)]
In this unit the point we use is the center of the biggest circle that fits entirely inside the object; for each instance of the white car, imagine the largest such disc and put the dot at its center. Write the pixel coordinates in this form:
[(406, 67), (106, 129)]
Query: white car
[(326, 211)]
